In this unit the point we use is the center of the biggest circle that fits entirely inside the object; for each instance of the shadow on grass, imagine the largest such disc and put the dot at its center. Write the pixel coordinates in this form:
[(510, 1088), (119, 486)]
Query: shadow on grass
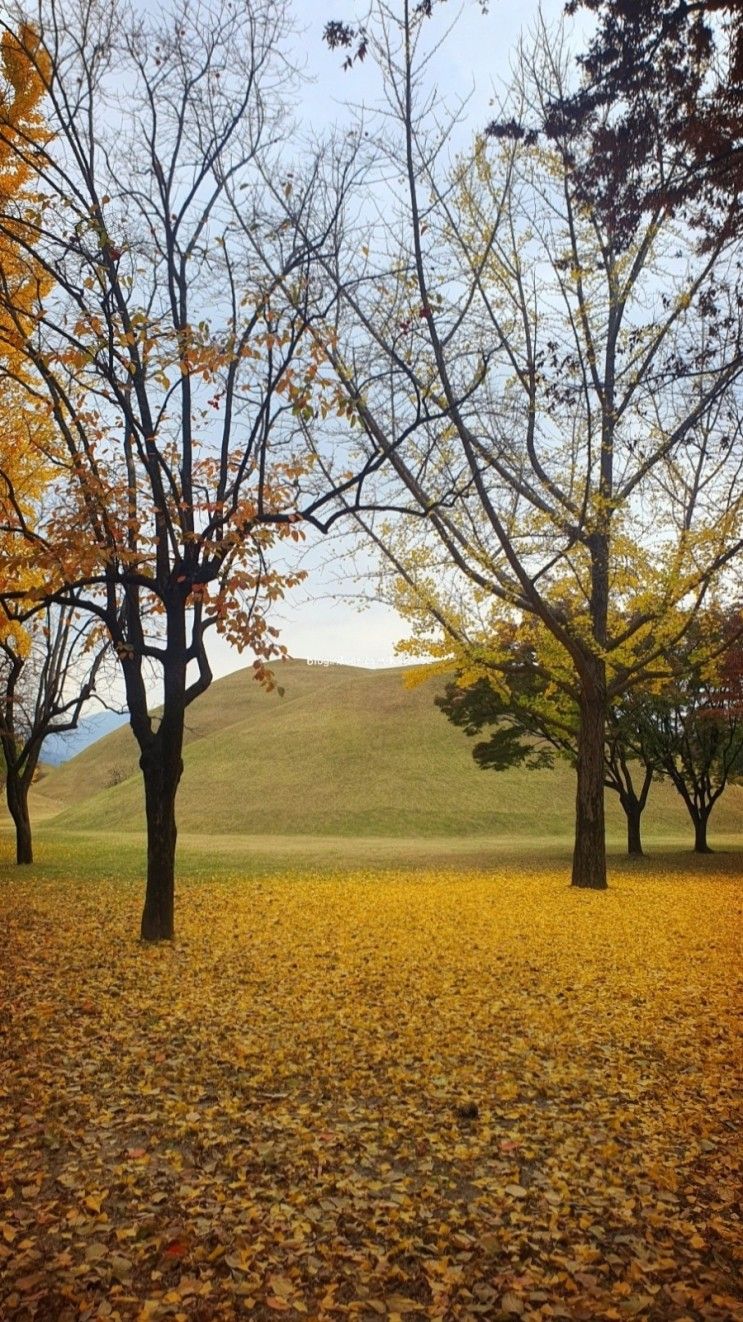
[(90, 856)]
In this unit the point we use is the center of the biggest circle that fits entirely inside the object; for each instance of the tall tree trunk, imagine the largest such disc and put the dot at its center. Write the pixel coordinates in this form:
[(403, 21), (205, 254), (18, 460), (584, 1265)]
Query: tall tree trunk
[(589, 855), (162, 767), (161, 756), (699, 815), (17, 796), (633, 812), (700, 819)]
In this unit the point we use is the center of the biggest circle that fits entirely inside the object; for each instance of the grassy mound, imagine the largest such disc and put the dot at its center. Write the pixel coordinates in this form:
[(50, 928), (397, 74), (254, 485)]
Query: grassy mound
[(346, 752)]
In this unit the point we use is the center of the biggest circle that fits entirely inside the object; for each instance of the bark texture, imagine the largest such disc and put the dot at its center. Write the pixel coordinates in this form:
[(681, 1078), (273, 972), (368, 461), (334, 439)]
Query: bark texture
[(589, 855), (161, 770), (634, 833), (700, 834), (17, 797)]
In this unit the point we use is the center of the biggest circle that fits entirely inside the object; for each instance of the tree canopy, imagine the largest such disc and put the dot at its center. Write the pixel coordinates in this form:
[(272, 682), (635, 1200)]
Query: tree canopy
[(557, 394), (661, 74)]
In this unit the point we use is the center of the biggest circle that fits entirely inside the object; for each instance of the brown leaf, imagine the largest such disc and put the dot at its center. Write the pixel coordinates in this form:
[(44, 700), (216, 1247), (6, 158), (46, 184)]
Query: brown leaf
[(397, 1303), (636, 1304), (27, 1283), (281, 1285), (512, 1303)]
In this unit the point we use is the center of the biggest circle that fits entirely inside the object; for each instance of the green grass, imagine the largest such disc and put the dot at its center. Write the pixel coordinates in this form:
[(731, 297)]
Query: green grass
[(91, 857), (346, 754)]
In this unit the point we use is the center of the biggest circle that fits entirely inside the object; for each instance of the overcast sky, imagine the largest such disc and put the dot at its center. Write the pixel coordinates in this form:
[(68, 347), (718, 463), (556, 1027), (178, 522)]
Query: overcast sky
[(475, 57)]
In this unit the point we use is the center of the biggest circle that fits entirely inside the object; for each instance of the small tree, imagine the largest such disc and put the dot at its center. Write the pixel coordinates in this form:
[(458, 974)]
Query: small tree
[(693, 726), (50, 658), (628, 753), (529, 729)]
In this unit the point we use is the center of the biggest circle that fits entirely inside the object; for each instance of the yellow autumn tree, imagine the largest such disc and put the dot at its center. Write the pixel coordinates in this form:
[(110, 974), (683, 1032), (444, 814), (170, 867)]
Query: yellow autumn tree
[(26, 434), (39, 647), (554, 379)]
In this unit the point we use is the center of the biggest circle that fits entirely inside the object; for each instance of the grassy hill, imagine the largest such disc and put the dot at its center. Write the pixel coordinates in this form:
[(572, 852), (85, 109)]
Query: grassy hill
[(346, 752)]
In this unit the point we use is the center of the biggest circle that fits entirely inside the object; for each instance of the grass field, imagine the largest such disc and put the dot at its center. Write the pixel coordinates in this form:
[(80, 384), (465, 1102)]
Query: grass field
[(92, 855), (401, 1091)]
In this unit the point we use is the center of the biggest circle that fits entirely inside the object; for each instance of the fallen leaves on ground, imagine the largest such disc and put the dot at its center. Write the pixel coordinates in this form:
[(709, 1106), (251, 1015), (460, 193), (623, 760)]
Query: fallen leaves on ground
[(435, 1096)]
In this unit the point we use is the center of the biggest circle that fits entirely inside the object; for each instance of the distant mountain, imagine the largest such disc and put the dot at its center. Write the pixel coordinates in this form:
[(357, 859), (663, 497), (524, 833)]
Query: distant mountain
[(346, 752), (60, 748)]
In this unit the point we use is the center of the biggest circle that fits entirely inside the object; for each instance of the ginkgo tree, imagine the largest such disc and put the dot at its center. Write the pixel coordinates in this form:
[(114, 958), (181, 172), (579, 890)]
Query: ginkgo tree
[(176, 372), (26, 433), (553, 378)]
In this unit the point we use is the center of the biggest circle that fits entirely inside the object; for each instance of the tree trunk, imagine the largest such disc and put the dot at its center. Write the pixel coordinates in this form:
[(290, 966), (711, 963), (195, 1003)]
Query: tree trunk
[(700, 833), (634, 817), (589, 856), (699, 816), (162, 767), (161, 757), (17, 796)]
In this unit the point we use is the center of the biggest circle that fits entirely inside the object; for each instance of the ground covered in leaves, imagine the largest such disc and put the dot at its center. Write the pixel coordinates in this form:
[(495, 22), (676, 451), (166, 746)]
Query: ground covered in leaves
[(377, 1096)]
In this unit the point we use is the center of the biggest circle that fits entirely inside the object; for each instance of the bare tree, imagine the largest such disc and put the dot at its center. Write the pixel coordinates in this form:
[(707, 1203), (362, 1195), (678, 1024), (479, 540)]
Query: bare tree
[(176, 371), (50, 660)]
